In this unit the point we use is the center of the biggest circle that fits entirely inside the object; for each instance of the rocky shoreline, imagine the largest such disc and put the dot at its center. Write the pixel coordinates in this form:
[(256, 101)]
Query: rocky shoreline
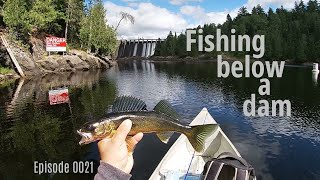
[(35, 61)]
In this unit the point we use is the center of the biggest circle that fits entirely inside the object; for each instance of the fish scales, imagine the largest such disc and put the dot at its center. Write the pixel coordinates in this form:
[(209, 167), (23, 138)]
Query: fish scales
[(147, 122)]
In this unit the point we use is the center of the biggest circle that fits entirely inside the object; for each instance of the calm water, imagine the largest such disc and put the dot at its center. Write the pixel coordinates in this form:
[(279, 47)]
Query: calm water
[(278, 147)]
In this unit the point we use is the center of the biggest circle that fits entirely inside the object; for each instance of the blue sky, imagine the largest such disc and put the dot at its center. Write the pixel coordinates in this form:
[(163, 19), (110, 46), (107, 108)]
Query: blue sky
[(155, 18)]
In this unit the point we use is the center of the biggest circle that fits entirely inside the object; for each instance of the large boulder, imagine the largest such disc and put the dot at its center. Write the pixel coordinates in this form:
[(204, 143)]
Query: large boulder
[(49, 64), (75, 62), (93, 61), (63, 63)]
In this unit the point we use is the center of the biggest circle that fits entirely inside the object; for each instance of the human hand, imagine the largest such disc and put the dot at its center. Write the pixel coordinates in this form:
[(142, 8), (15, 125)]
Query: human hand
[(118, 150)]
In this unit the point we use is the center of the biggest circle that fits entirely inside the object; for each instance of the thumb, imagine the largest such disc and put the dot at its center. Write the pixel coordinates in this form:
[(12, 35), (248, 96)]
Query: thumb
[(122, 131)]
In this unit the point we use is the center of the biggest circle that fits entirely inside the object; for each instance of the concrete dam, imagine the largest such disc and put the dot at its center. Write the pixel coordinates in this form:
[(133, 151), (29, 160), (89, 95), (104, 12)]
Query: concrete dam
[(138, 47)]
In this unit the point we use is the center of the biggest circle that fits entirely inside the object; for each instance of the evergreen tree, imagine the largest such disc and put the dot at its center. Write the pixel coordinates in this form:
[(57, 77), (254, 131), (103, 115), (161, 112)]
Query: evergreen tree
[(181, 46), (43, 15), (74, 14), (290, 34), (94, 32), (243, 11), (170, 45)]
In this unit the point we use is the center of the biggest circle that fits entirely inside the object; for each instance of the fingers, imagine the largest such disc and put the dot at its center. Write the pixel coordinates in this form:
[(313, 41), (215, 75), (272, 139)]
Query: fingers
[(133, 141), (122, 131), (102, 142), (138, 137)]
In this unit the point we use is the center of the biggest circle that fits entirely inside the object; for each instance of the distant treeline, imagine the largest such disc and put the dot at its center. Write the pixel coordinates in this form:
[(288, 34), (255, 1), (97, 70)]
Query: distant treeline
[(290, 34), (82, 22)]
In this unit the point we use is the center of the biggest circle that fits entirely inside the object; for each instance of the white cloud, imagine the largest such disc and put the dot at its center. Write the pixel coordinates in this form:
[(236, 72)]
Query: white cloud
[(192, 11), (200, 16), (267, 3), (133, 4), (128, 1), (150, 21), (181, 2)]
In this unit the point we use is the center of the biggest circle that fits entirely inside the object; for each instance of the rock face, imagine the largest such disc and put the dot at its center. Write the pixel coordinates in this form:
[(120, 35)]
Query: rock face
[(92, 61), (25, 60), (63, 63), (38, 49), (5, 60)]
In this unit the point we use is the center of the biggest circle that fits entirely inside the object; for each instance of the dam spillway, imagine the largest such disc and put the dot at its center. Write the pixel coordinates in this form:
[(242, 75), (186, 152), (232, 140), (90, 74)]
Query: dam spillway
[(138, 47)]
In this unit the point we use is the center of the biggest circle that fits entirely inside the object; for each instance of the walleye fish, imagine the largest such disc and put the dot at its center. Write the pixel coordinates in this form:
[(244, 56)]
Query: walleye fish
[(162, 120)]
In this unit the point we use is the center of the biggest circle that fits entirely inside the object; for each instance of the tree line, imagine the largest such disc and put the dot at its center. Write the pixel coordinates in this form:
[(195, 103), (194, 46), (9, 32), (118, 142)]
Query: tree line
[(290, 34), (81, 22)]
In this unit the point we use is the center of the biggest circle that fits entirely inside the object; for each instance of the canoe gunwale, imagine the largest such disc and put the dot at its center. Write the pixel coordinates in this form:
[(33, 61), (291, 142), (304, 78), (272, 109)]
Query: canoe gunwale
[(179, 159)]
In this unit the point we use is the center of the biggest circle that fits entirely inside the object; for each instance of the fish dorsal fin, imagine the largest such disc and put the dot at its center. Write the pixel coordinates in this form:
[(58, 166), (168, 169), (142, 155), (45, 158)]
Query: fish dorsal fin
[(164, 136), (164, 107), (128, 103)]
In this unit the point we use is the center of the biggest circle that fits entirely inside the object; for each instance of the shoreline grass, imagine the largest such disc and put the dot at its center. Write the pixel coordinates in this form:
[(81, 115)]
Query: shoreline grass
[(5, 70)]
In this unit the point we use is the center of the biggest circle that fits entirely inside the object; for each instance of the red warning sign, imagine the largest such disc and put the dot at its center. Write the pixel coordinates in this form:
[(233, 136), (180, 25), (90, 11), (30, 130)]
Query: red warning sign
[(59, 96)]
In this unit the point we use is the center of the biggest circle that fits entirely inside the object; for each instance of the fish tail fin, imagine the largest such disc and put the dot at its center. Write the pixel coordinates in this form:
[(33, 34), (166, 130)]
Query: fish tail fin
[(198, 134)]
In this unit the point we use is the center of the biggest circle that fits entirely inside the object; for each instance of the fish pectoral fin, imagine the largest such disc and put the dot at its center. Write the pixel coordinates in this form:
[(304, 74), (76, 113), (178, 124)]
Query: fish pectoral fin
[(164, 136), (165, 107)]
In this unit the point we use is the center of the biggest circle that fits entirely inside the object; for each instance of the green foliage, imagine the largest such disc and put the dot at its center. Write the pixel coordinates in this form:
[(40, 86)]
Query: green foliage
[(63, 18), (6, 83), (74, 14), (43, 14), (290, 34), (94, 33), (4, 70), (15, 16)]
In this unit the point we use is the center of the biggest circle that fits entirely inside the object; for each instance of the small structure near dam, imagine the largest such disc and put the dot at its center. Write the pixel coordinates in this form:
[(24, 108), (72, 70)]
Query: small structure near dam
[(138, 47)]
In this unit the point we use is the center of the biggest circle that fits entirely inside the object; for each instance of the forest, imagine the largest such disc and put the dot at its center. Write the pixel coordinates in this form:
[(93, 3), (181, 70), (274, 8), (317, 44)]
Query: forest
[(289, 34), (82, 23)]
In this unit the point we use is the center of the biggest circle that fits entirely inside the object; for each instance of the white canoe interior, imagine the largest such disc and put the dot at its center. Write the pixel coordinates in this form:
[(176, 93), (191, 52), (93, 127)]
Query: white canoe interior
[(182, 162)]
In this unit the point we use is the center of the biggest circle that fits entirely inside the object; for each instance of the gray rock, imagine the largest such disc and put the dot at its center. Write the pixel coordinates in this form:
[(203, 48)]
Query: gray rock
[(63, 63), (75, 62), (93, 61), (49, 63), (38, 49)]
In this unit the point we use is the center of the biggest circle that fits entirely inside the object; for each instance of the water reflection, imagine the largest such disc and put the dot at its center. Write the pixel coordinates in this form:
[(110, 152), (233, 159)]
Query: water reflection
[(315, 75), (279, 148), (32, 130), (269, 143)]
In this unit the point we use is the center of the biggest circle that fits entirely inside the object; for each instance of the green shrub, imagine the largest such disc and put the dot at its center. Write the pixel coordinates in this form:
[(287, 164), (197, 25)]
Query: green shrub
[(5, 70)]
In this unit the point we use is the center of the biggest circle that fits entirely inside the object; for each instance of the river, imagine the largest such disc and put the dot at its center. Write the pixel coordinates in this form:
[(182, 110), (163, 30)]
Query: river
[(278, 147)]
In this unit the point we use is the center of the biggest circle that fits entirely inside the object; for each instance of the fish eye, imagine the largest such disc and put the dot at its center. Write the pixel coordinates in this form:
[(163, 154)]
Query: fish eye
[(90, 127)]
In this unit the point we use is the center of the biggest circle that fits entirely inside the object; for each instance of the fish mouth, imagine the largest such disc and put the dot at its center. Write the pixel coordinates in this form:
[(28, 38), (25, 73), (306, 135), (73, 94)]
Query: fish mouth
[(86, 137)]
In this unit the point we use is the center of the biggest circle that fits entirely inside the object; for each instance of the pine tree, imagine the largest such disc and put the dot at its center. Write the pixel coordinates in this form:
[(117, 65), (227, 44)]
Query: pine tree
[(43, 15), (94, 32), (290, 34), (181, 46), (74, 14)]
